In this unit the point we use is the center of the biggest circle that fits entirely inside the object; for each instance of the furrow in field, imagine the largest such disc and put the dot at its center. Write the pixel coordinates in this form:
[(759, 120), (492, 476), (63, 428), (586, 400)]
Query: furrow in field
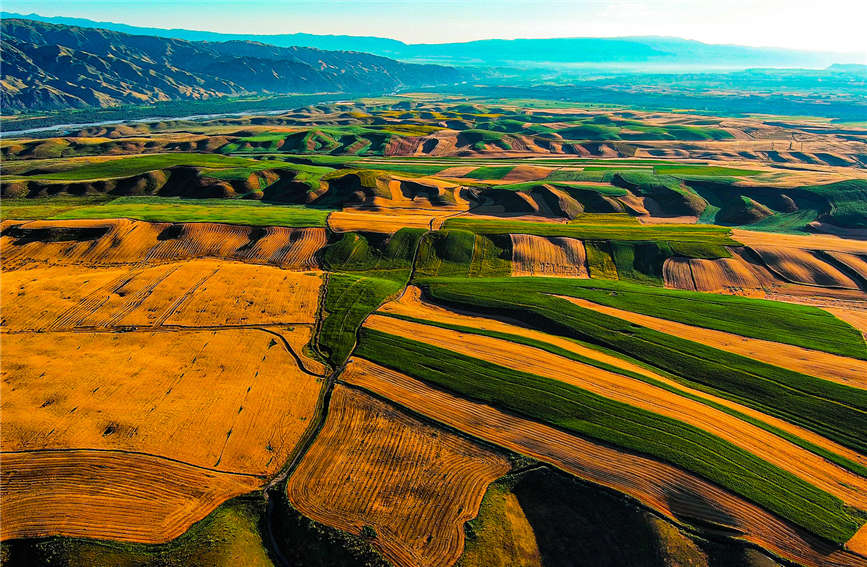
[(415, 485), (108, 495), (548, 256), (849, 487), (662, 487)]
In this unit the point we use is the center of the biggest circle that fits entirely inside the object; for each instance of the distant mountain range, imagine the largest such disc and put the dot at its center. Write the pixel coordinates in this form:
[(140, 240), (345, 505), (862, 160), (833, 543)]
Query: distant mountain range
[(49, 66), (646, 52)]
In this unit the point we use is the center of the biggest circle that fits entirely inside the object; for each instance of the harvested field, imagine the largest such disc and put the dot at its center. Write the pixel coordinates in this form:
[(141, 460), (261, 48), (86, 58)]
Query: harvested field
[(527, 173), (855, 262), (415, 485), (108, 495), (411, 305), (841, 369), (803, 267), (384, 221), (848, 487), (232, 400), (199, 293), (548, 256), (664, 488), (826, 242), (122, 241), (720, 275)]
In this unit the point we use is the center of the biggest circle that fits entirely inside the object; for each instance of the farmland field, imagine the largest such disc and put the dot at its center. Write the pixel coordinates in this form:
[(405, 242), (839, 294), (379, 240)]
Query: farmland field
[(433, 330)]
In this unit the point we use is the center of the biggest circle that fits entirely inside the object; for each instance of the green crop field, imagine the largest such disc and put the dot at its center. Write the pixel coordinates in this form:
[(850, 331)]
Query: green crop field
[(584, 413), (129, 166), (700, 234), (164, 209)]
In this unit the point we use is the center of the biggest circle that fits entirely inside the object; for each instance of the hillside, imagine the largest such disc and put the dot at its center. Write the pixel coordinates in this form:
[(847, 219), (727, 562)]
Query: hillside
[(49, 66)]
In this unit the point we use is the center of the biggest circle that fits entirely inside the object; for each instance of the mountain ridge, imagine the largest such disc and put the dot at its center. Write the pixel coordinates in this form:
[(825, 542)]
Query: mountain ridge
[(49, 66), (660, 50)]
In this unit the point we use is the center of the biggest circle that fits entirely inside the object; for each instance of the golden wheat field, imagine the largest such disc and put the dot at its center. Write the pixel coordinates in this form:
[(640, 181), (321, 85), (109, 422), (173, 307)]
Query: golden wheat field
[(669, 490), (117, 495), (415, 485), (124, 241), (548, 256)]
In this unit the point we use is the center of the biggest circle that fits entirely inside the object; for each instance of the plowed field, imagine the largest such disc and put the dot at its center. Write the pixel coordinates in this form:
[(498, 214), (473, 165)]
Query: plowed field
[(415, 485), (548, 256), (108, 495)]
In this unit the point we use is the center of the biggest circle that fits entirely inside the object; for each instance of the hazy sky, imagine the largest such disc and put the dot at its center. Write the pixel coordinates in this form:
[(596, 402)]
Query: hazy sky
[(828, 25)]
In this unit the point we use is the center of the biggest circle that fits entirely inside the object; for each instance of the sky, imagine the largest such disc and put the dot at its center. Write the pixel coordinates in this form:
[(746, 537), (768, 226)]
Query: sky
[(829, 25)]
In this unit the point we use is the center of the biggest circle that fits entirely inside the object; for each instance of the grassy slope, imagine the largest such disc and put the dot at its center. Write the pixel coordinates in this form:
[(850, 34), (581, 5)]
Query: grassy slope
[(713, 235), (583, 413), (833, 457), (128, 166), (167, 209)]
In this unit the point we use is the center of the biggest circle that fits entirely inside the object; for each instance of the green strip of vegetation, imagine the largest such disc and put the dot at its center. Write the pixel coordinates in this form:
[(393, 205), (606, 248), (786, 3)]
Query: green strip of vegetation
[(830, 409), (709, 170), (169, 209), (824, 453), (705, 234), (583, 413), (127, 166), (349, 299)]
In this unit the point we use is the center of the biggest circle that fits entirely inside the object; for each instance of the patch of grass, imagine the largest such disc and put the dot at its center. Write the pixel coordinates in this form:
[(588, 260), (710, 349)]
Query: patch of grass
[(463, 253), (43, 208), (600, 262), (705, 170), (700, 234), (129, 166), (349, 299), (171, 209), (583, 413), (489, 172)]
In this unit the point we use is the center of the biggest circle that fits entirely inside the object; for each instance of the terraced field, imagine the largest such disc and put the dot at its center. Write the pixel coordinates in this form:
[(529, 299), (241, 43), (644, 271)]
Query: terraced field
[(386, 332)]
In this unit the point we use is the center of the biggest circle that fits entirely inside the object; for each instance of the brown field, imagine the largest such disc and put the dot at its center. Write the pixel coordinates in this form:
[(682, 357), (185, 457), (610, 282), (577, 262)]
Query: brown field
[(669, 490), (416, 485), (198, 293), (728, 275), (108, 495), (825, 242), (548, 256), (849, 487), (385, 221), (185, 395), (855, 262), (411, 305), (841, 369), (802, 267), (527, 173), (123, 241)]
